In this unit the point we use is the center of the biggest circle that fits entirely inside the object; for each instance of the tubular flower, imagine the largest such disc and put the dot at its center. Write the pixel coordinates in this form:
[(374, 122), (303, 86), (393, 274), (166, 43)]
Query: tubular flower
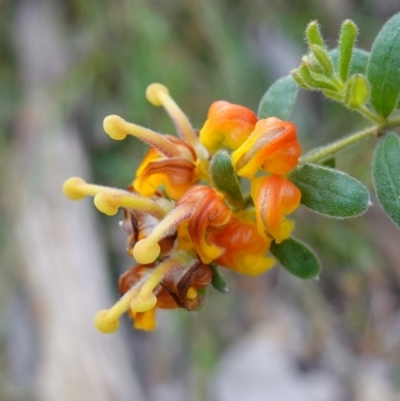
[(175, 174), (245, 248), (272, 146), (200, 209), (274, 198), (227, 125), (172, 283), (208, 212), (177, 227)]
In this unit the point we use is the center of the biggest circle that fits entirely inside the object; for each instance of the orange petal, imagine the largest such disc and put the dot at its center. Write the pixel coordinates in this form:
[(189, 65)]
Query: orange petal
[(274, 197), (245, 248), (209, 211), (176, 175), (272, 146), (227, 125)]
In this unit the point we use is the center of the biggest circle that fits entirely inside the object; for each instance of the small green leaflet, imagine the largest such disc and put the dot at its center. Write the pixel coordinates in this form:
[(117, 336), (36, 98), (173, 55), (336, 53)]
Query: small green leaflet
[(297, 258)]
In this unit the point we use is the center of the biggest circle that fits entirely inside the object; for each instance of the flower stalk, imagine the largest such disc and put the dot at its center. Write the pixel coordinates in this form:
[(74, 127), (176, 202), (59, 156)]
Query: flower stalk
[(327, 151)]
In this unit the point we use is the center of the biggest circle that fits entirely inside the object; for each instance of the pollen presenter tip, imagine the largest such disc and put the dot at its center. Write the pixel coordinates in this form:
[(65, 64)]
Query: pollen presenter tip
[(153, 93), (72, 188), (104, 204), (191, 293), (113, 126), (146, 251), (104, 323)]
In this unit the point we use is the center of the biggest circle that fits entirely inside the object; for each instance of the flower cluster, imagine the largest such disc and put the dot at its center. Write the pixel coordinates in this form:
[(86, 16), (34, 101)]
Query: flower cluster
[(180, 222)]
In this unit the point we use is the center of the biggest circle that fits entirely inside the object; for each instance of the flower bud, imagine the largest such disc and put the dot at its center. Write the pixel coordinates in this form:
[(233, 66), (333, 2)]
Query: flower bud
[(357, 91)]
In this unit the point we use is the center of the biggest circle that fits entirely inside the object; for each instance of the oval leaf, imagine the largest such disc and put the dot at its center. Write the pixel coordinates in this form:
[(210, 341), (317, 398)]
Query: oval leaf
[(217, 281), (224, 177), (386, 174), (279, 99), (330, 192), (297, 258), (358, 63), (383, 71)]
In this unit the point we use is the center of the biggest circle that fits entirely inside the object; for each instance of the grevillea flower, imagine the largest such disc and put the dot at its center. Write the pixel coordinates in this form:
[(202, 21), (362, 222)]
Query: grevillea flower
[(180, 219), (227, 125), (200, 209), (178, 288), (272, 146), (175, 174), (245, 249), (274, 198), (172, 283)]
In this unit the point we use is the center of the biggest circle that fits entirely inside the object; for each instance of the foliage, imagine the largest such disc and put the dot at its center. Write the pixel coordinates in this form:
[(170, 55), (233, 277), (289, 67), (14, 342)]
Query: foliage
[(368, 83)]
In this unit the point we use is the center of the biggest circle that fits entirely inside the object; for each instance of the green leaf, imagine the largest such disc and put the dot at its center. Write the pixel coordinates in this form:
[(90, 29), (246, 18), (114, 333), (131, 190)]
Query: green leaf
[(295, 73), (225, 178), (279, 99), (330, 192), (315, 80), (347, 39), (297, 258), (386, 174), (383, 71), (314, 35), (323, 58), (358, 63), (217, 281)]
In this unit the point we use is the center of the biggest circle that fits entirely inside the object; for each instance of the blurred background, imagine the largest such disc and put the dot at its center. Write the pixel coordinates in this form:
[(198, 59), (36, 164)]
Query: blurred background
[(65, 65)]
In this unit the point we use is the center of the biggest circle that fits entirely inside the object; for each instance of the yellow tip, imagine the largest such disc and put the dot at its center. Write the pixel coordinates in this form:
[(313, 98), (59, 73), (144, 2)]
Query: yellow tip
[(104, 323), (146, 252), (104, 205), (146, 321), (113, 126), (72, 188), (153, 92), (143, 303), (191, 293)]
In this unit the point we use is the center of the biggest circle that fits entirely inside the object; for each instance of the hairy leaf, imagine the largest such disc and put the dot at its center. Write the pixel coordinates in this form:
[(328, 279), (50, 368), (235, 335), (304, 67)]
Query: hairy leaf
[(386, 174), (330, 192), (383, 71), (358, 63), (297, 258), (279, 99), (225, 178)]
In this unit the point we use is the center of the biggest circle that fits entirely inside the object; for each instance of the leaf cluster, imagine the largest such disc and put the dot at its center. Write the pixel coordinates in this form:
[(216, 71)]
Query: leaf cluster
[(366, 82)]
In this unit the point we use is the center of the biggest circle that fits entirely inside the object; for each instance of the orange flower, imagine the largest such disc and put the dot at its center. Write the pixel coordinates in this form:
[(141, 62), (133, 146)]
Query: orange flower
[(137, 225), (176, 228), (245, 248), (200, 209), (180, 288), (175, 174), (272, 146), (208, 212), (274, 198), (227, 125), (177, 281)]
